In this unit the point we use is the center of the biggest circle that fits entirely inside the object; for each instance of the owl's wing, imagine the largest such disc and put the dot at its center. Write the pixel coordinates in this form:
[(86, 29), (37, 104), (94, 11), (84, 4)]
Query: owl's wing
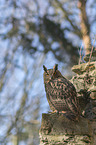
[(62, 95)]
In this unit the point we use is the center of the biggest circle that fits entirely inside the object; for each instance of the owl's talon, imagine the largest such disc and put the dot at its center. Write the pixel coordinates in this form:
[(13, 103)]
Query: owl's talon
[(63, 112), (55, 111)]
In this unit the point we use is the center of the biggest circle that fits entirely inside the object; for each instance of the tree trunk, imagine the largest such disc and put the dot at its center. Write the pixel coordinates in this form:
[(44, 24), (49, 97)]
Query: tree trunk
[(85, 27)]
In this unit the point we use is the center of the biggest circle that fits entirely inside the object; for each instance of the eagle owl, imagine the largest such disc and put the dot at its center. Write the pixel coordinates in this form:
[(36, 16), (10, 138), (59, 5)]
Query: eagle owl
[(60, 92)]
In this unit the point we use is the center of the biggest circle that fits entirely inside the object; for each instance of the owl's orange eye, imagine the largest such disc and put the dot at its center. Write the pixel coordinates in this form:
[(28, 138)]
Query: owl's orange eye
[(47, 74)]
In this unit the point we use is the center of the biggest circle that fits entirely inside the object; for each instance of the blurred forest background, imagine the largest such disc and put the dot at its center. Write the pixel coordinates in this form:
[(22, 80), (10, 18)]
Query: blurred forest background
[(33, 33)]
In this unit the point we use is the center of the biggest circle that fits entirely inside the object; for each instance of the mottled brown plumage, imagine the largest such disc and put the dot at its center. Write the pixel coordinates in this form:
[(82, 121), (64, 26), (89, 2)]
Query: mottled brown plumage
[(61, 93)]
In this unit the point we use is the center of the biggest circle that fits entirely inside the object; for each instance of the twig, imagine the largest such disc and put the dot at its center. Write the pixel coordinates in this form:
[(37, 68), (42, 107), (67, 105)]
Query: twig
[(80, 53), (91, 52)]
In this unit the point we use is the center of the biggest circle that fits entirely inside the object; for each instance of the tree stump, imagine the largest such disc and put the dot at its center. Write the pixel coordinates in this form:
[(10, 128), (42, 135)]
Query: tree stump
[(56, 129)]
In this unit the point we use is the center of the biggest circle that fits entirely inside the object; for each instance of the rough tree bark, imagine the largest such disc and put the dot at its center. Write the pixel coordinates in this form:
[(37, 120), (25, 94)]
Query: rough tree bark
[(58, 130)]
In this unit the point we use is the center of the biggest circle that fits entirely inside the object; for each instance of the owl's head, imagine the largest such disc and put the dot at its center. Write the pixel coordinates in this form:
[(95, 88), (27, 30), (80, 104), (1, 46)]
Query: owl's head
[(50, 74)]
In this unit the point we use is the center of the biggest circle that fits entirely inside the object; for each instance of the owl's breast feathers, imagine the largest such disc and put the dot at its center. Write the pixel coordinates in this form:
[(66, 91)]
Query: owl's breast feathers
[(61, 94)]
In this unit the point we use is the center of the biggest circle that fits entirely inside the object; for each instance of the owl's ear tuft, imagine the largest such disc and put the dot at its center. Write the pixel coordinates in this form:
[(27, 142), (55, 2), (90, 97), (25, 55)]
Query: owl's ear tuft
[(45, 69), (55, 68)]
